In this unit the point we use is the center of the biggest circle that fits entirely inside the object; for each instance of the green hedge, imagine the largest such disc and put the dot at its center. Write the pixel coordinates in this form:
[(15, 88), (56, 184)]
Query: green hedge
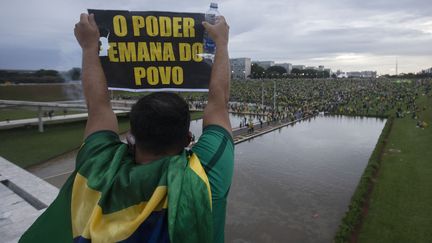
[(353, 216)]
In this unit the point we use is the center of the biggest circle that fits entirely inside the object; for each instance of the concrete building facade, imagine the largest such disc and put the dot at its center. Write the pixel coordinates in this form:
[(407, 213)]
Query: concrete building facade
[(362, 74), (300, 67), (428, 70), (240, 67)]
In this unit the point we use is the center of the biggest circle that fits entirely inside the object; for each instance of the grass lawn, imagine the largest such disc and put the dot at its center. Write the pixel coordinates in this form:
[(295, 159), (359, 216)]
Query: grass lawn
[(16, 113), (400, 207), (44, 92), (26, 146), (196, 115)]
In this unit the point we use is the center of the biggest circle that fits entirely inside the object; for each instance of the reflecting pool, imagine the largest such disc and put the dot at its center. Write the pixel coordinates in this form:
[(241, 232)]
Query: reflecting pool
[(295, 184)]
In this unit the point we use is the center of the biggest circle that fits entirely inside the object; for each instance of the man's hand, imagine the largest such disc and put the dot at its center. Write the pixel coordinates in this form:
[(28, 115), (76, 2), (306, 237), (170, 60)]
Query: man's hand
[(100, 114), (218, 32), (87, 32)]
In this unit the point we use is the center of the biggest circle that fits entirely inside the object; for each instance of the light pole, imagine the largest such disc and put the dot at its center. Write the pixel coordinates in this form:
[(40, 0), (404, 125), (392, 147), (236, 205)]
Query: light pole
[(262, 94), (274, 96), (40, 121)]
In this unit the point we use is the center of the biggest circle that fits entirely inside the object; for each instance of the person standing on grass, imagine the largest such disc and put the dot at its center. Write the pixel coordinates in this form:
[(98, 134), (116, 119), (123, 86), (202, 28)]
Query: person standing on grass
[(153, 190)]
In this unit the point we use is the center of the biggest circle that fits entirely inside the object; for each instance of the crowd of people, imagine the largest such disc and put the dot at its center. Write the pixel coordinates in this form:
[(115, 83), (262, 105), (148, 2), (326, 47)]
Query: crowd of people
[(298, 98)]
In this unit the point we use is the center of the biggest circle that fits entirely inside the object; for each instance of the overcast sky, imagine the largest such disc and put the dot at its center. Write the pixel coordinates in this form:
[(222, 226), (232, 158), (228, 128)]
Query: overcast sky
[(340, 34)]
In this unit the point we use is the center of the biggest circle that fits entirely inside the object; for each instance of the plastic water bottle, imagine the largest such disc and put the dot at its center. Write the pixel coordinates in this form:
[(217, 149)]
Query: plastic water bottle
[(210, 17)]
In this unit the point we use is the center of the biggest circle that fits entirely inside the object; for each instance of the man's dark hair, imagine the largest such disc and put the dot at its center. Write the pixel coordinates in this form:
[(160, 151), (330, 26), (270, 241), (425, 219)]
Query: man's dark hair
[(160, 122)]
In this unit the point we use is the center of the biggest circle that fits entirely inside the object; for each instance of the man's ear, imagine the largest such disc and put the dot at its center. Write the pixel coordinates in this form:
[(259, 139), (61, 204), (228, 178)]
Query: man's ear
[(130, 138), (130, 142), (188, 138)]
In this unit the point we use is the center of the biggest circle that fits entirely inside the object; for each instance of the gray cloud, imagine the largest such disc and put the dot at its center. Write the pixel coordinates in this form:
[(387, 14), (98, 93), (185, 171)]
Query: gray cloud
[(38, 34), (28, 58)]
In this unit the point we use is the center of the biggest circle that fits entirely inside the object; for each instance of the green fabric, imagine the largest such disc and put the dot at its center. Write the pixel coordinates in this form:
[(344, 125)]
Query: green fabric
[(105, 162), (108, 167), (54, 225), (189, 213), (215, 150), (186, 192)]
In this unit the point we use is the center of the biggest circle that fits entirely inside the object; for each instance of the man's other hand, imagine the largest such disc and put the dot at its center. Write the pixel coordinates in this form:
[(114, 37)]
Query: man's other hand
[(87, 32), (216, 111), (218, 31)]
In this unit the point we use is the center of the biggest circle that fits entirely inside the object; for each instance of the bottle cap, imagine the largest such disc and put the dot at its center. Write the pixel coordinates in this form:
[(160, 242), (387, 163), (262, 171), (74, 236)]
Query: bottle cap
[(213, 5)]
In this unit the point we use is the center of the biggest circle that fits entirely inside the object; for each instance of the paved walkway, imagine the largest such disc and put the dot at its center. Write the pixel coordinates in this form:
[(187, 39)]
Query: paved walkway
[(23, 197), (243, 134), (47, 120)]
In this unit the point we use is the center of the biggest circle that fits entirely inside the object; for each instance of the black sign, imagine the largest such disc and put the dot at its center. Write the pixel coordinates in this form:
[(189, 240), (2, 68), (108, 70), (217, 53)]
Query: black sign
[(148, 51)]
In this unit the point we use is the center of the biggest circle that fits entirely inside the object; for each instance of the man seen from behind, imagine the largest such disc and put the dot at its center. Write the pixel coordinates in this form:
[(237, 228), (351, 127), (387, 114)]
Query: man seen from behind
[(152, 190)]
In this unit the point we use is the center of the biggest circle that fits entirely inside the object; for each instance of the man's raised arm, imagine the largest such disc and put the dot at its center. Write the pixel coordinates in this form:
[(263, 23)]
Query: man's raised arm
[(100, 114), (216, 111)]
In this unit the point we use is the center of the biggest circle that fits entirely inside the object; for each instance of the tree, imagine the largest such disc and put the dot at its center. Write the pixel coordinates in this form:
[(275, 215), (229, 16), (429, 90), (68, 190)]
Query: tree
[(296, 72), (75, 73), (323, 74), (257, 71), (310, 73), (277, 70), (44, 73)]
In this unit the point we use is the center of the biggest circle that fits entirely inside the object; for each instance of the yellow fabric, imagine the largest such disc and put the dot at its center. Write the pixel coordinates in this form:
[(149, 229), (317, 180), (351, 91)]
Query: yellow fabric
[(196, 166), (89, 222), (83, 203)]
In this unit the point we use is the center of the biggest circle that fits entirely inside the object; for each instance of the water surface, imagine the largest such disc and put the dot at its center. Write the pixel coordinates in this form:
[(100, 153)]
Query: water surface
[(294, 184)]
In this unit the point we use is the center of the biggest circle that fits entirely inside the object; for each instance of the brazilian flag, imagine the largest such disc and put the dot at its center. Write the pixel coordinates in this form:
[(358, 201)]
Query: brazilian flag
[(110, 198)]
